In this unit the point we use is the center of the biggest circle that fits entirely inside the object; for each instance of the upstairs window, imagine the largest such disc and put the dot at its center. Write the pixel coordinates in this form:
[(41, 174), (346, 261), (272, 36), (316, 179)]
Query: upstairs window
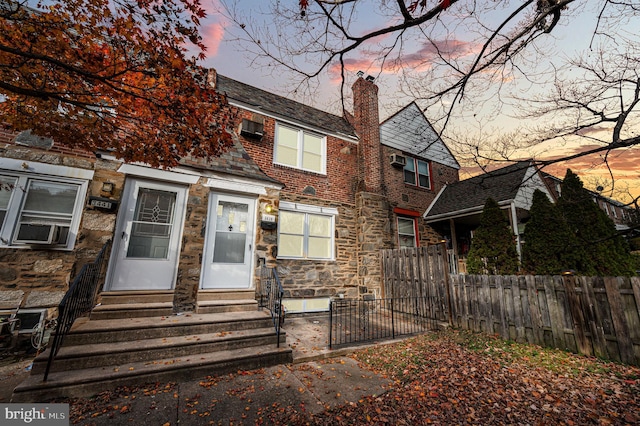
[(417, 173), (300, 149)]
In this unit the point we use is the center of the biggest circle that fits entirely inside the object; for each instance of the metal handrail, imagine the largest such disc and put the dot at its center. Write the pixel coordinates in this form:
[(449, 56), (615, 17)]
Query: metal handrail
[(78, 300), (271, 293)]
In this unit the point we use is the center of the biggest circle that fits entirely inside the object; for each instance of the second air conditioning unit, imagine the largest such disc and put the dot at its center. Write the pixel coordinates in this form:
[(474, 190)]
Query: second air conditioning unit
[(398, 160)]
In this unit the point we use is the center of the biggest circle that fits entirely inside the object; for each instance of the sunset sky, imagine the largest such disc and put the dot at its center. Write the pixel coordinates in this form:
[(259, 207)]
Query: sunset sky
[(230, 58)]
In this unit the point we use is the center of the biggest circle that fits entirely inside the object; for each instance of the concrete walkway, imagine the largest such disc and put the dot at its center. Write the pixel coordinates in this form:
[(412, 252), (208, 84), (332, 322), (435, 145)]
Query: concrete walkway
[(243, 398), (319, 378)]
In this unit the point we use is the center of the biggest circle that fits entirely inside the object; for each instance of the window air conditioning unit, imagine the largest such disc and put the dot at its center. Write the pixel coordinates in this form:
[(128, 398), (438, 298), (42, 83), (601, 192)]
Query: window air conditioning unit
[(251, 129), (398, 160), (41, 234)]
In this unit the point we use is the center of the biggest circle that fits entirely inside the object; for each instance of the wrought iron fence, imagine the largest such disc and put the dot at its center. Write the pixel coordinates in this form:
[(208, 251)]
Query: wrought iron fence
[(78, 300), (271, 293), (354, 321)]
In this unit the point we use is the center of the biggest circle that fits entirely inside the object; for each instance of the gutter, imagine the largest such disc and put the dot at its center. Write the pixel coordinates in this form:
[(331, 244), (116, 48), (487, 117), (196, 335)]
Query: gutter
[(460, 213)]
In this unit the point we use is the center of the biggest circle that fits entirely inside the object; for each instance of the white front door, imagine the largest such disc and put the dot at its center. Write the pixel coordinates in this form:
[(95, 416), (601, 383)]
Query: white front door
[(147, 239), (229, 241)]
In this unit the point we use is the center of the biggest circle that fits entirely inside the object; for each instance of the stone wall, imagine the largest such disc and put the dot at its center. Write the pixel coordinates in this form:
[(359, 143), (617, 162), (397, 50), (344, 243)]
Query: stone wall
[(40, 277), (315, 278), (374, 233), (190, 264)]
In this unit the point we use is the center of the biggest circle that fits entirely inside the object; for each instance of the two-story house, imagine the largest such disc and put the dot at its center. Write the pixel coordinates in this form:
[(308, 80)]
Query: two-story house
[(312, 193), (308, 194)]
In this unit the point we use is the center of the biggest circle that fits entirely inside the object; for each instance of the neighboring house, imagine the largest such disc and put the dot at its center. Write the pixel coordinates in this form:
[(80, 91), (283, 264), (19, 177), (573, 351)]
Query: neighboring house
[(618, 212), (314, 194), (456, 211)]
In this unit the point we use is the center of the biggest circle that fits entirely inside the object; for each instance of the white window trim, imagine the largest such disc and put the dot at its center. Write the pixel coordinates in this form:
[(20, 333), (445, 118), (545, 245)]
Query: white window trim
[(299, 149), (150, 173), (330, 212), (416, 242), (9, 227)]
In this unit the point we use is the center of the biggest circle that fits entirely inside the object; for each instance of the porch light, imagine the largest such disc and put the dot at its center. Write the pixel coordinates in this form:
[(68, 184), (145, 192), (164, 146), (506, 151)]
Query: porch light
[(108, 187), (568, 272), (268, 208)]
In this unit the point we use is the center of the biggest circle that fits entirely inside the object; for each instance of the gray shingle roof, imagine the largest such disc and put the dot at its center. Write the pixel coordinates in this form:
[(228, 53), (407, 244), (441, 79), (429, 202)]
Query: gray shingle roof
[(501, 185), (409, 130), (234, 161), (284, 108)]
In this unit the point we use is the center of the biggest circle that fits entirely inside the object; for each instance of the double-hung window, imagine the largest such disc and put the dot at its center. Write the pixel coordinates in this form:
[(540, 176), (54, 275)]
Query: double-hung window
[(300, 149), (39, 210), (417, 172), (407, 232), (306, 232)]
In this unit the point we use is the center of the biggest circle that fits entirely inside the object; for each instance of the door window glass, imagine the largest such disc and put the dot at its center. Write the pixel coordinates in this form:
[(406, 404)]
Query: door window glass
[(152, 225), (231, 232)]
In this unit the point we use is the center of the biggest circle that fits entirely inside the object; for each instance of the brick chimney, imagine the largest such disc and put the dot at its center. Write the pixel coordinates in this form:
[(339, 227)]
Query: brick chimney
[(367, 124)]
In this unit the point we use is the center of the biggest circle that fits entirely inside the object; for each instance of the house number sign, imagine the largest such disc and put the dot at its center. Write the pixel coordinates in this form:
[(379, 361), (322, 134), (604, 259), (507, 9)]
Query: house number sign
[(103, 203)]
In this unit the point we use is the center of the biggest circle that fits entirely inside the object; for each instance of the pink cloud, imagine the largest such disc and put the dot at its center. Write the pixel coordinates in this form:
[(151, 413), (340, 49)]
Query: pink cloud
[(421, 59), (431, 50), (212, 36)]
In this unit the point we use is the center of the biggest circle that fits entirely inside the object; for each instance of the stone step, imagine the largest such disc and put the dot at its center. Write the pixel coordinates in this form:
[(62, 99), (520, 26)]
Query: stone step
[(87, 382), (149, 350), (85, 331), (223, 305), (136, 296), (131, 310), (205, 295)]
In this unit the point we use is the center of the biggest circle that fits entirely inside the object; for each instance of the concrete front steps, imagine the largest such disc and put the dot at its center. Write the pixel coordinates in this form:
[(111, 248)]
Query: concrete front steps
[(130, 304), (101, 354)]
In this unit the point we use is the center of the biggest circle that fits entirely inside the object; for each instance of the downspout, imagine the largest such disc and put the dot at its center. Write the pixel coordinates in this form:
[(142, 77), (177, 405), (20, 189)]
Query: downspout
[(514, 226), (454, 246)]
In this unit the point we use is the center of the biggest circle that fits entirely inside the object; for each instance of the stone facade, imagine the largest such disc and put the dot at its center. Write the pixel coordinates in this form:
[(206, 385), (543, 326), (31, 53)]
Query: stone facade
[(360, 184), (315, 278), (43, 275)]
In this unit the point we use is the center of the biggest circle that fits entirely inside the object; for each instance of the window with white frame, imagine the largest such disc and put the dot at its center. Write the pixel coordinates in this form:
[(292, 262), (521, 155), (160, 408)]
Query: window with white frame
[(300, 149), (39, 210), (417, 172), (407, 232), (305, 231)]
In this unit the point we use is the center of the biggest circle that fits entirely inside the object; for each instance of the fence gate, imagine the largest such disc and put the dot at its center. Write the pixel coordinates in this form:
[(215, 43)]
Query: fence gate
[(418, 272), (415, 299)]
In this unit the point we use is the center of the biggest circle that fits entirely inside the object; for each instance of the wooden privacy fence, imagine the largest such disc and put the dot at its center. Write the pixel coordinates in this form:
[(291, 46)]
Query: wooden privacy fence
[(418, 272), (588, 315)]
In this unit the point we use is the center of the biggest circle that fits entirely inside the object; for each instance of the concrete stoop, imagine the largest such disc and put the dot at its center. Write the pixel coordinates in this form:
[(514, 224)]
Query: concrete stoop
[(99, 355)]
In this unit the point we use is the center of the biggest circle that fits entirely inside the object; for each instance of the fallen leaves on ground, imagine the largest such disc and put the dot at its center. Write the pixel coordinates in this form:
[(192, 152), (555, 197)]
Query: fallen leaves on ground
[(103, 404), (464, 378), (449, 377)]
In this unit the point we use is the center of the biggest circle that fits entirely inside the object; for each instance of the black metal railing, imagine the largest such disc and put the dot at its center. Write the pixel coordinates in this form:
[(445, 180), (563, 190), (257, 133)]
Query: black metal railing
[(78, 300), (353, 321), (271, 293)]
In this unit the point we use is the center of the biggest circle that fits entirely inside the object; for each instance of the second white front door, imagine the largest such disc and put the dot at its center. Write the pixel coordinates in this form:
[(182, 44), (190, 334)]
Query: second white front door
[(229, 242)]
